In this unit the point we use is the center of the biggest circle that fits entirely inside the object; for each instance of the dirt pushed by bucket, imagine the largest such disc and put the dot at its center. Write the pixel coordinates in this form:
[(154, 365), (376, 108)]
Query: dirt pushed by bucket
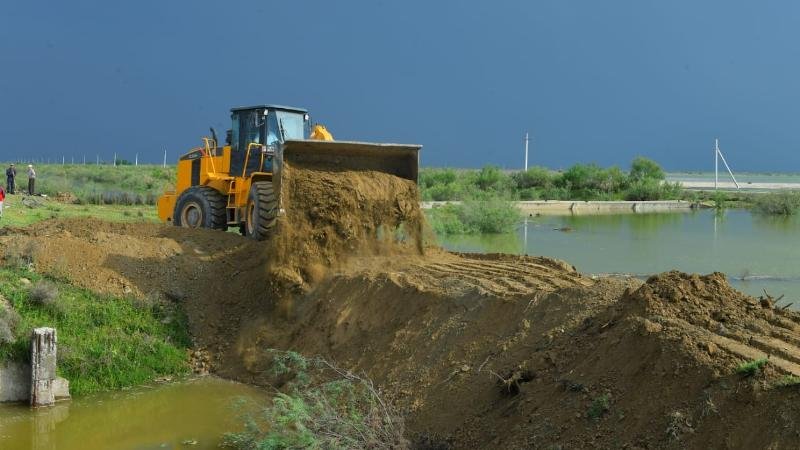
[(332, 215)]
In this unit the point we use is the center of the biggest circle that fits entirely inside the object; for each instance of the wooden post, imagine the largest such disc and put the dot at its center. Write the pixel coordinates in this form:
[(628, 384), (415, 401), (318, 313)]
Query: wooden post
[(43, 366)]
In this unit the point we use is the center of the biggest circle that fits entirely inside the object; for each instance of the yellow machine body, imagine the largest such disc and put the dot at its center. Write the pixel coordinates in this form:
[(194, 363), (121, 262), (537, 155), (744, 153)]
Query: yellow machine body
[(238, 184)]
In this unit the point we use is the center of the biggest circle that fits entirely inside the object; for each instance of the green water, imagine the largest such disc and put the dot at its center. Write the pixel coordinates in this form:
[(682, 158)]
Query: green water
[(185, 415), (756, 252)]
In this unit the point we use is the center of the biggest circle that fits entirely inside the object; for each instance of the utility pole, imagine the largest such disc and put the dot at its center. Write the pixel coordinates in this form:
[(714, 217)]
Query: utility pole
[(526, 151), (115, 159), (136, 163), (98, 160), (716, 163), (165, 157), (84, 159), (718, 155)]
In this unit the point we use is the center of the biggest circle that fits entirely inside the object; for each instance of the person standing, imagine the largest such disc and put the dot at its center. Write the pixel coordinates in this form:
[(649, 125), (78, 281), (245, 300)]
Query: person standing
[(11, 178), (31, 179)]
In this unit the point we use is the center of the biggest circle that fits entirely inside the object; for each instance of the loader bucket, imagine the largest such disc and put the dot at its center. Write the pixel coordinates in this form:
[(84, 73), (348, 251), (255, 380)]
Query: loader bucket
[(397, 159)]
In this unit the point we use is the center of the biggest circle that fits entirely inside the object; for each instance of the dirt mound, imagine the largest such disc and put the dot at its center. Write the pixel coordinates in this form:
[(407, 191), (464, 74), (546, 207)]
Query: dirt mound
[(480, 351), (333, 214)]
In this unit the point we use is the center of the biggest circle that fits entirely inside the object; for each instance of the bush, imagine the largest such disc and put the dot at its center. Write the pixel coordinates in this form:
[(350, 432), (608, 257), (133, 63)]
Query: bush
[(43, 293), (473, 217), (751, 368), (587, 181), (785, 203), (8, 323), (493, 216), (645, 169), (325, 407), (534, 177), (651, 189)]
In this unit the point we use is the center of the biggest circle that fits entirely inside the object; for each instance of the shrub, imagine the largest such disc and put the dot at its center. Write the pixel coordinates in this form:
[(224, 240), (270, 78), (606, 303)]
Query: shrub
[(491, 178), (534, 177), (785, 203), (324, 407), (645, 169), (586, 181), (600, 405), (650, 189), (474, 216), (751, 368), (8, 323), (493, 216), (43, 293)]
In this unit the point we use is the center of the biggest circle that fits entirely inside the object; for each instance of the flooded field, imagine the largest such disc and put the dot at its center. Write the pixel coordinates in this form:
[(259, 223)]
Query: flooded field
[(756, 252), (192, 414)]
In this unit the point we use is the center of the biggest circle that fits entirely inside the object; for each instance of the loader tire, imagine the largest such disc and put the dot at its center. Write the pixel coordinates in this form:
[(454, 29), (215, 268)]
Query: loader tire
[(200, 207), (262, 211)]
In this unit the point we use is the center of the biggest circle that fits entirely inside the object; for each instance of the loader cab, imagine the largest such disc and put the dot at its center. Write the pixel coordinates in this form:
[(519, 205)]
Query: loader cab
[(257, 133)]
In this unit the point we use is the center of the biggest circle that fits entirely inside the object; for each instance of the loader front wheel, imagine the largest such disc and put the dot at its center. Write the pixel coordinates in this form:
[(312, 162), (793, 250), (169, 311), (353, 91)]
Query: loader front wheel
[(262, 211), (200, 207)]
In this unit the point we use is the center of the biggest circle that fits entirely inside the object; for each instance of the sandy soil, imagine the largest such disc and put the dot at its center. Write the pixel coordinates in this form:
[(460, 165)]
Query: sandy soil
[(480, 351)]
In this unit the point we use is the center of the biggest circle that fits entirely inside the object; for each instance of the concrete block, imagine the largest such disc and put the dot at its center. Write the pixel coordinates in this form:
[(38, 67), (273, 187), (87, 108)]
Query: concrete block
[(15, 382), (43, 366)]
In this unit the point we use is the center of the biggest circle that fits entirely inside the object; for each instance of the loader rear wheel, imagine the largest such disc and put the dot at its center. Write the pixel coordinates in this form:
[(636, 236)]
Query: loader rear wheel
[(200, 207), (262, 211)]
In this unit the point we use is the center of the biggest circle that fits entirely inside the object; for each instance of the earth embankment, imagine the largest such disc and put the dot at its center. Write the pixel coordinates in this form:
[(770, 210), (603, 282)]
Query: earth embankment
[(479, 351)]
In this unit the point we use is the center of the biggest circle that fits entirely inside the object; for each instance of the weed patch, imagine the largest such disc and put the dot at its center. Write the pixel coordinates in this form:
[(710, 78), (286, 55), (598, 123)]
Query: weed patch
[(751, 368), (599, 407), (322, 406), (104, 342)]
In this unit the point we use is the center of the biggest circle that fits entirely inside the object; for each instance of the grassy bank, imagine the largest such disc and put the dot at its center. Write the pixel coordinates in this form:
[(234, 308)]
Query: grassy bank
[(22, 210), (104, 342), (101, 184)]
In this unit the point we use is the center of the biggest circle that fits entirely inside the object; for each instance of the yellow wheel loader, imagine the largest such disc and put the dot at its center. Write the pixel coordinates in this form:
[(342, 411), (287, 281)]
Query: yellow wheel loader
[(238, 184)]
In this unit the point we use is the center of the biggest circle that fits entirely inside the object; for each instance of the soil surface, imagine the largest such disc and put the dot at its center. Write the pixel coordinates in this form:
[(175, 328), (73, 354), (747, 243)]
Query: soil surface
[(478, 351)]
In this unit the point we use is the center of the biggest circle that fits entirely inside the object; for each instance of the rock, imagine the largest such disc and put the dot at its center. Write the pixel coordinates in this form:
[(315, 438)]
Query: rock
[(61, 388), (25, 281), (709, 347), (649, 327)]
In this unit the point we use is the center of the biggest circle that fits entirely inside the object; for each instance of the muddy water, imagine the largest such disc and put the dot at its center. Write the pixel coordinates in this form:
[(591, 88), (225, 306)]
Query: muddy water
[(756, 252), (186, 415)]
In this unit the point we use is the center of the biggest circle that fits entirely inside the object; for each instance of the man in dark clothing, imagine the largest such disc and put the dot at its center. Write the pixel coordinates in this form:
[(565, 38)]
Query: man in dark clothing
[(11, 178)]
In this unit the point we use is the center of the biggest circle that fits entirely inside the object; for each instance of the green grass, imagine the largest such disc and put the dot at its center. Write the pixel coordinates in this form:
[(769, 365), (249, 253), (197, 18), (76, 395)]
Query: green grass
[(751, 368), (15, 213), (788, 381), (104, 342), (101, 184)]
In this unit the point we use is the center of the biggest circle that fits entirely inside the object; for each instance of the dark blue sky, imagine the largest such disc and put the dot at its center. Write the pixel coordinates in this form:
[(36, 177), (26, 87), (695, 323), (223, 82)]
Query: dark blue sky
[(591, 80)]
